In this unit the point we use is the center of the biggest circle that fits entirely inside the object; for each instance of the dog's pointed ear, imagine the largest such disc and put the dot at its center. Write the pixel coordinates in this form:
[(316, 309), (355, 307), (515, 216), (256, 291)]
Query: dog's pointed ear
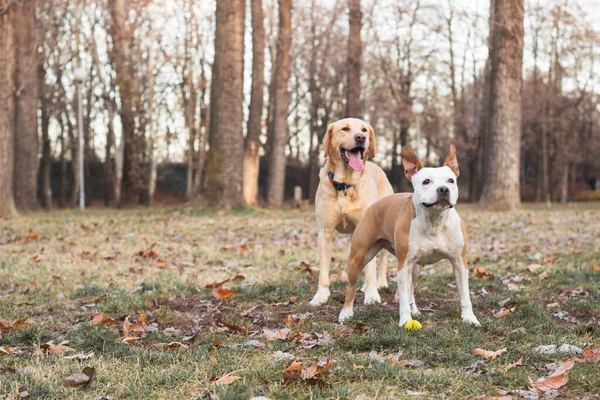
[(327, 140), (451, 161), (410, 162), (371, 149)]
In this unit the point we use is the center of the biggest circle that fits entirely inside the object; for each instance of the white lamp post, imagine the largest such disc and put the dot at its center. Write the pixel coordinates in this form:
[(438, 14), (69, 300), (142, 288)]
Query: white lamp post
[(418, 110)]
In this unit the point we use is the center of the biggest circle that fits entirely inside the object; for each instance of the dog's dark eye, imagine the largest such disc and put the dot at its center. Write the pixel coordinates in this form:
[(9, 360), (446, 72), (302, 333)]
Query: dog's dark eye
[(426, 181), (364, 129), (346, 128), (450, 180)]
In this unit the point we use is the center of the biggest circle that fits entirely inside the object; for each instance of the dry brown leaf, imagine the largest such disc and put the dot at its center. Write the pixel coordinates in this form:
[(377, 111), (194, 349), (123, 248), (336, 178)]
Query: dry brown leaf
[(20, 323), (222, 293), (173, 345), (243, 249), (227, 379), (126, 327), (534, 267), (129, 339), (591, 354), (555, 381), (481, 273), (294, 366), (543, 275), (235, 327), (80, 381), (504, 312), (150, 252), (59, 348), (518, 363), (488, 354), (290, 320), (272, 335), (215, 344), (248, 311), (144, 318), (103, 319), (309, 372), (4, 350)]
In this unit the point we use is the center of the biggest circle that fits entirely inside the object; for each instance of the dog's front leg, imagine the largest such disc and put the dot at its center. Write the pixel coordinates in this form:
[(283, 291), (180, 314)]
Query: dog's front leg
[(404, 277), (461, 274), (325, 244), (382, 270)]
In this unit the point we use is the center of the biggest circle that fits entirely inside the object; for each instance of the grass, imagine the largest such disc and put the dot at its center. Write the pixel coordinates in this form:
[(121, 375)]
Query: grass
[(62, 268)]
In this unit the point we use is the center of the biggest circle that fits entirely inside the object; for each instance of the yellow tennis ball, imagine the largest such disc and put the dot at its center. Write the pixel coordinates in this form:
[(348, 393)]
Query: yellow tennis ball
[(413, 325)]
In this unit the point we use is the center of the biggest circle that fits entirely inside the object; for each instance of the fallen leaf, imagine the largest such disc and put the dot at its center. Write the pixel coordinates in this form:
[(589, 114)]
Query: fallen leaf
[(222, 293), (553, 305), (227, 379), (543, 275), (235, 327), (248, 311), (488, 354), (103, 319), (129, 339), (150, 252), (309, 372), (481, 273), (215, 344), (591, 354), (504, 312), (173, 345), (126, 326), (58, 349), (243, 249), (290, 320), (80, 381), (555, 381), (533, 267), (294, 366), (80, 356), (277, 334), (517, 363), (4, 350)]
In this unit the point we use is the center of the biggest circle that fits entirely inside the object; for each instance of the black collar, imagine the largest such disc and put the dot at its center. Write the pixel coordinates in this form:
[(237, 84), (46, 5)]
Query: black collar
[(337, 185)]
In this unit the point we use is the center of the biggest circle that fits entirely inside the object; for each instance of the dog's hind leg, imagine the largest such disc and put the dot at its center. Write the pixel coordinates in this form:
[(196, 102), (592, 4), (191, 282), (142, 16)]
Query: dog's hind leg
[(371, 293)]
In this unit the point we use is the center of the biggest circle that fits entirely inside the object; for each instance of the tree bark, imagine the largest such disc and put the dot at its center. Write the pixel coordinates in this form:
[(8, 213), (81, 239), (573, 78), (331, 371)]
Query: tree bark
[(132, 180), (251, 156), (277, 161), (501, 189), (46, 162), (26, 135), (225, 161), (7, 108), (353, 103)]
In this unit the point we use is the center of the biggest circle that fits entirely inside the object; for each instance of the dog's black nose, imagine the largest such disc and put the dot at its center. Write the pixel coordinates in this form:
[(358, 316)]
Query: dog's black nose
[(360, 138), (443, 190)]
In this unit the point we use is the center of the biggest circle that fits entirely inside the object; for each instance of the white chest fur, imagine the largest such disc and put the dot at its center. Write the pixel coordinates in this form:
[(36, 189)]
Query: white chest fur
[(434, 239)]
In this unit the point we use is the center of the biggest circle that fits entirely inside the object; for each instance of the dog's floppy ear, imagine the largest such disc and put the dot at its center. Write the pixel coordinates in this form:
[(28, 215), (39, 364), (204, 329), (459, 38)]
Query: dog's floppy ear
[(371, 149), (327, 140), (410, 162), (451, 161)]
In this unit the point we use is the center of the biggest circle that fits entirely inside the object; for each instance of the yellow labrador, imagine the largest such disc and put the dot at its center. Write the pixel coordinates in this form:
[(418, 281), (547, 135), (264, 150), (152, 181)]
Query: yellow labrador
[(348, 185)]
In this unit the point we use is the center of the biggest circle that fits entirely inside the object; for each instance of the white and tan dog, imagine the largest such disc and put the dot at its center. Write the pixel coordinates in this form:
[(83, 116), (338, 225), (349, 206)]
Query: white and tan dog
[(348, 185), (419, 228)]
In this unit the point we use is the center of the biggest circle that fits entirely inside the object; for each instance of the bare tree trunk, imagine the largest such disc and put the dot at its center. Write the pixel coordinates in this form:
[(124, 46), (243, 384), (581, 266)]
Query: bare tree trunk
[(276, 177), (564, 183), (62, 200), (26, 137), (226, 156), (353, 103), (251, 156), (108, 159), (132, 174), (502, 187), (46, 164), (7, 108)]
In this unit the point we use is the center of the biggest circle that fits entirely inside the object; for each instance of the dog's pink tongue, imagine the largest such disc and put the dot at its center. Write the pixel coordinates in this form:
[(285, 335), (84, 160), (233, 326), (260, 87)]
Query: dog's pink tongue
[(355, 161)]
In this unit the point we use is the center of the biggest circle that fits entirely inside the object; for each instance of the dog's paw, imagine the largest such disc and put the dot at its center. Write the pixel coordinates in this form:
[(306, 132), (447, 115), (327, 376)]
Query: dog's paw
[(382, 284), (320, 298), (404, 320), (372, 297), (345, 314), (414, 310), (470, 319)]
